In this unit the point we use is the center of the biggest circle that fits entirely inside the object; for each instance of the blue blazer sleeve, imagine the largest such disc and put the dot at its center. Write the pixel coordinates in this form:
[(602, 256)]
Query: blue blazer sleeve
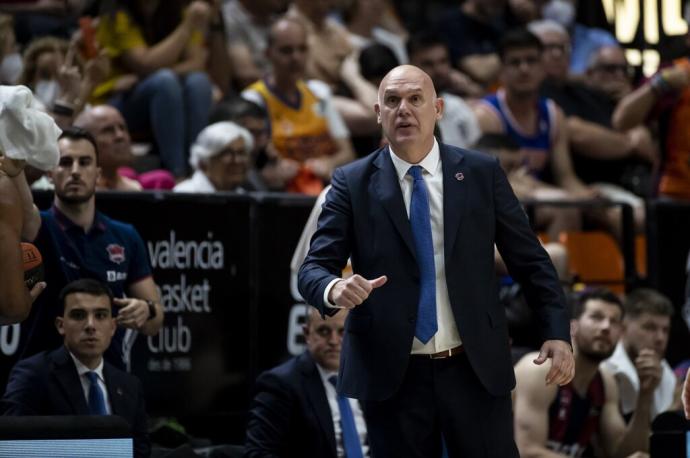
[(330, 245)]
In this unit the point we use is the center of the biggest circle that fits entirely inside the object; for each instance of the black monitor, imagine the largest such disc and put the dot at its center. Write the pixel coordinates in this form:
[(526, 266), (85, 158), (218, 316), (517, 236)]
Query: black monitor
[(65, 436)]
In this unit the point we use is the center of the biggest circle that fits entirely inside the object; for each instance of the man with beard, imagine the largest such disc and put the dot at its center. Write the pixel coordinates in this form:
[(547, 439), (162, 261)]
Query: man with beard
[(646, 330), (583, 416), (77, 241)]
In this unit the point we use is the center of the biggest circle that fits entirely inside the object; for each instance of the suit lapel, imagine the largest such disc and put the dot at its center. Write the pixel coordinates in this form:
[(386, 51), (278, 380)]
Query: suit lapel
[(116, 391), (387, 187), (316, 395), (454, 196), (68, 379)]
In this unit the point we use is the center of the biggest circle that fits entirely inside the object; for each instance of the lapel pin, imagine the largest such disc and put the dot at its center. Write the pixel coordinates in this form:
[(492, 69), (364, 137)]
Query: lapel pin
[(119, 391), (459, 176)]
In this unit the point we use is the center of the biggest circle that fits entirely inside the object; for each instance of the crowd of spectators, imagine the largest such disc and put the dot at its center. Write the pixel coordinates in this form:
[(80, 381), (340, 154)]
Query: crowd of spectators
[(273, 95)]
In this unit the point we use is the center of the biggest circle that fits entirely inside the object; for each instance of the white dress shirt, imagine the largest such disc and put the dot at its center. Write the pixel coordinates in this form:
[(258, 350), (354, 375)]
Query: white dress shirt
[(86, 384), (360, 424), (447, 336)]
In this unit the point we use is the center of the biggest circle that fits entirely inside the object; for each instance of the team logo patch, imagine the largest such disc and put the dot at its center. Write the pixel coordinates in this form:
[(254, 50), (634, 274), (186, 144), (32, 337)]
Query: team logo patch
[(116, 253)]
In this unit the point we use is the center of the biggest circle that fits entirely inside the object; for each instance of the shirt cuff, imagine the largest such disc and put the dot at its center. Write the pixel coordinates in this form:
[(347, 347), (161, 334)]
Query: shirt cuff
[(326, 302)]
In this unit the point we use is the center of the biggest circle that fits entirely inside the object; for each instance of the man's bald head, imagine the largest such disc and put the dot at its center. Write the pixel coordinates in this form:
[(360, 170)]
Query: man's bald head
[(109, 129), (90, 116), (407, 110), (407, 73), (287, 50)]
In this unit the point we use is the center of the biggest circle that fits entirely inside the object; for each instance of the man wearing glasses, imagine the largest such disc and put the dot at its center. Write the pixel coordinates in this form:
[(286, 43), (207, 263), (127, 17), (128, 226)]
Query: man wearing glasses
[(618, 163)]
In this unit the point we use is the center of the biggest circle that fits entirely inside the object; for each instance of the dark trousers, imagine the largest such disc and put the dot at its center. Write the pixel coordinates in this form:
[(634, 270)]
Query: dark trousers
[(441, 398)]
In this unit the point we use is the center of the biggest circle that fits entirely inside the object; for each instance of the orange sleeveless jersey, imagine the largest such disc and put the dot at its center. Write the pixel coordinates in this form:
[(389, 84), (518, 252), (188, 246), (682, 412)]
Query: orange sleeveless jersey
[(299, 132)]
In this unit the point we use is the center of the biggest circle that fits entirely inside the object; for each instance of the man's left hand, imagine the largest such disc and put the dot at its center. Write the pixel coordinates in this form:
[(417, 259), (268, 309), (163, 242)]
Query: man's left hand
[(133, 312), (562, 361), (648, 367)]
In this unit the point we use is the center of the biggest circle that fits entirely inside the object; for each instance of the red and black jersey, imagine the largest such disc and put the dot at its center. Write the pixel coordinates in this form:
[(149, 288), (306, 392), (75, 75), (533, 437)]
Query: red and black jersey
[(574, 420)]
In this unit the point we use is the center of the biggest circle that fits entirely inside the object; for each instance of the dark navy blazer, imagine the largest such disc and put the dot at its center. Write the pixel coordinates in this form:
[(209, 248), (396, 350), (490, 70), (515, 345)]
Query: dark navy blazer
[(290, 415), (364, 217), (48, 384)]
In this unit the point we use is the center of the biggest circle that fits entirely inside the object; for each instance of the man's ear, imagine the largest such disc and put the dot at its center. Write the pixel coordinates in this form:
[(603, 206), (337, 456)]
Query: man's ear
[(377, 109), (59, 324), (439, 108), (114, 326)]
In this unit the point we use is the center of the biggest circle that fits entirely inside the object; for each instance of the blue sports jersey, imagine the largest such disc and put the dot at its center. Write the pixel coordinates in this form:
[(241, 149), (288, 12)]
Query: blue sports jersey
[(111, 251), (536, 147)]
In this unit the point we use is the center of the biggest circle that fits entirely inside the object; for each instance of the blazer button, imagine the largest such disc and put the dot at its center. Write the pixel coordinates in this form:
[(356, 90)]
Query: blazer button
[(412, 318)]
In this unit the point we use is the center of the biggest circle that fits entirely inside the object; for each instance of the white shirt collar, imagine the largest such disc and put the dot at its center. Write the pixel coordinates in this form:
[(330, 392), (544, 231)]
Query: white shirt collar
[(82, 369), (326, 374), (429, 163)]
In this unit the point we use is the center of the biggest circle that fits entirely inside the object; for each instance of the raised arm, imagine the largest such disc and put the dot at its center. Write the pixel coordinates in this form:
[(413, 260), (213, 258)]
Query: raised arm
[(634, 108), (15, 302), (598, 142), (562, 164), (31, 219), (135, 311), (617, 439), (330, 247)]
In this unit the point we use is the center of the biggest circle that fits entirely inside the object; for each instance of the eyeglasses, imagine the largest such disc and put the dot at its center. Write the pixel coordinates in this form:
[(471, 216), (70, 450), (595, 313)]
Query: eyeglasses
[(233, 156), (612, 69)]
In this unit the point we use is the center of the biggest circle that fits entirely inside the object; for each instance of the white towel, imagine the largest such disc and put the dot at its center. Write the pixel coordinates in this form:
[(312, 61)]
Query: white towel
[(27, 133)]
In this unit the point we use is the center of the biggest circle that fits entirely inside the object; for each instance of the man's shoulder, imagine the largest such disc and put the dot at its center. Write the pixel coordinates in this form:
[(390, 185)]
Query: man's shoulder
[(38, 360), (529, 373), (118, 226), (39, 364), (287, 369), (290, 372), (472, 157), (531, 381), (365, 163)]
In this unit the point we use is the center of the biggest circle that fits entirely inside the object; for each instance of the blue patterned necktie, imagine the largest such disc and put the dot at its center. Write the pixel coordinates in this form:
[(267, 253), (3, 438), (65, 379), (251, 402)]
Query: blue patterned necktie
[(420, 221), (351, 444), (96, 398)]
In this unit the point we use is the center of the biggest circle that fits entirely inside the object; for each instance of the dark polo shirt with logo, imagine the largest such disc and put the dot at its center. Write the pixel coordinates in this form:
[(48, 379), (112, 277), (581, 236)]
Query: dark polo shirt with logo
[(111, 251)]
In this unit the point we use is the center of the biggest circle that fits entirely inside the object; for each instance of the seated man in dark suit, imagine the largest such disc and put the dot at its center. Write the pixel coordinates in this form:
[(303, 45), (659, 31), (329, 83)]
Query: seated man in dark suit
[(296, 410), (75, 379)]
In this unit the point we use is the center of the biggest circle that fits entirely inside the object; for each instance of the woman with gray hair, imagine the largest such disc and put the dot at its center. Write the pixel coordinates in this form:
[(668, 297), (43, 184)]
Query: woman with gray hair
[(220, 157)]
